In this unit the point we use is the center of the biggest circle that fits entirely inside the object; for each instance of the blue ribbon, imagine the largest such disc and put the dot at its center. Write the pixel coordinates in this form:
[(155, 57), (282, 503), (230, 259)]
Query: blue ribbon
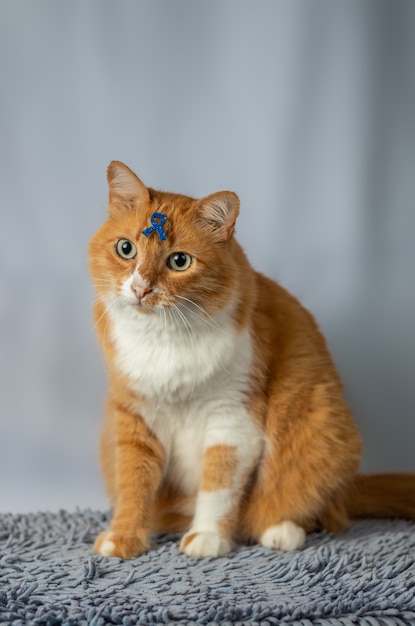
[(158, 220)]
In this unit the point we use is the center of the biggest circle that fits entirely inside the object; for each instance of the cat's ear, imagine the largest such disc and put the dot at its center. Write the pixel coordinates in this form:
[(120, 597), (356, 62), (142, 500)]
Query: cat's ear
[(125, 187), (219, 212)]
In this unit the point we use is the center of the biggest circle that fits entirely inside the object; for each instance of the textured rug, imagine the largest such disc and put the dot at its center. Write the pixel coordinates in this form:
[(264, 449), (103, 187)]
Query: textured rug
[(48, 575)]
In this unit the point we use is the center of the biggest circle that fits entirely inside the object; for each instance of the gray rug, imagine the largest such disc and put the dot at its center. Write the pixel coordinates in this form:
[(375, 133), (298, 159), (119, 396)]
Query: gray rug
[(48, 575)]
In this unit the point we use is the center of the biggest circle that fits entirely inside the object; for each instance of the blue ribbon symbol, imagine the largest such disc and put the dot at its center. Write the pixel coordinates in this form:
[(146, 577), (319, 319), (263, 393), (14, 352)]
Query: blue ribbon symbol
[(158, 220)]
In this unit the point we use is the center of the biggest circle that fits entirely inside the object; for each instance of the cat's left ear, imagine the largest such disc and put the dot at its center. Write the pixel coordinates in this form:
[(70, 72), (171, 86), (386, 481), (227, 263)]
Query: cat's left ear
[(219, 212)]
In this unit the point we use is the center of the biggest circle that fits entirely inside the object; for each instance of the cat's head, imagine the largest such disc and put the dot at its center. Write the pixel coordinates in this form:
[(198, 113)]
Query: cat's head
[(159, 250)]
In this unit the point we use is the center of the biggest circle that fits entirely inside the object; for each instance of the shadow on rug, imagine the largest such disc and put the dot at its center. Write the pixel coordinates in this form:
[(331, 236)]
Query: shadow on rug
[(48, 575)]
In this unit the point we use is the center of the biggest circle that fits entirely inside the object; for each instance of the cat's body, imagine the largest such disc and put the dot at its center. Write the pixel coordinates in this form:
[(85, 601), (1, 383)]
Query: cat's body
[(226, 417)]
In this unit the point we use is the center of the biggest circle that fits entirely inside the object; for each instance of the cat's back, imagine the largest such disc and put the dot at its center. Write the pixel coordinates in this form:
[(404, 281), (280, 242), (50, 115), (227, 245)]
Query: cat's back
[(286, 333)]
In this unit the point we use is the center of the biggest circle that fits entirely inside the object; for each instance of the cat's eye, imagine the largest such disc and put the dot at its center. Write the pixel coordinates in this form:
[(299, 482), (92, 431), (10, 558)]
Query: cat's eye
[(179, 261), (125, 249)]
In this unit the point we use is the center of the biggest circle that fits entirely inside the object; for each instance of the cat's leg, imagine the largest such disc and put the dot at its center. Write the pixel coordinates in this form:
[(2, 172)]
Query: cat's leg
[(216, 504), (226, 467), (137, 465), (312, 451)]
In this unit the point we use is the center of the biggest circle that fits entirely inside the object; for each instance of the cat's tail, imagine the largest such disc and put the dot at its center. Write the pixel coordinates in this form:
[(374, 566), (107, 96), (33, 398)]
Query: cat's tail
[(382, 495)]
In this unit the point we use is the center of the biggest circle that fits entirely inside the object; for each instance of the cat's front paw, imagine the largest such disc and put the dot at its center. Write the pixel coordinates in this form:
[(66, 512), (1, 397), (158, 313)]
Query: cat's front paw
[(204, 544), (286, 536), (122, 546)]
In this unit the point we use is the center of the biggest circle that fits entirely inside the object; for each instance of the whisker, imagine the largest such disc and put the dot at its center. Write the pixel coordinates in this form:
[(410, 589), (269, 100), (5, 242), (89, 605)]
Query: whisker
[(212, 323), (103, 281), (102, 315), (186, 322), (163, 311), (190, 332), (175, 321), (108, 306)]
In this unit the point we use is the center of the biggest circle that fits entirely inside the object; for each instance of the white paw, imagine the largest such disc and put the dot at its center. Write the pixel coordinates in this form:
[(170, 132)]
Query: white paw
[(121, 546), (107, 548), (204, 544), (285, 536)]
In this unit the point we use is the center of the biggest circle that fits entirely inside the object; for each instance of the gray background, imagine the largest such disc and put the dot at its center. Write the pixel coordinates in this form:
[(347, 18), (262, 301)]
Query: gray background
[(305, 109)]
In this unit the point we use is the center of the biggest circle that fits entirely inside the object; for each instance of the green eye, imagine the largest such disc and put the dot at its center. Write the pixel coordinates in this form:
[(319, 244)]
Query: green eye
[(125, 249), (179, 261)]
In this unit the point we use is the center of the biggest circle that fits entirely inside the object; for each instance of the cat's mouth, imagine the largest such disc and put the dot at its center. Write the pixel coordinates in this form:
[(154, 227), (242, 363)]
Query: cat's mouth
[(146, 304), (141, 300), (143, 307)]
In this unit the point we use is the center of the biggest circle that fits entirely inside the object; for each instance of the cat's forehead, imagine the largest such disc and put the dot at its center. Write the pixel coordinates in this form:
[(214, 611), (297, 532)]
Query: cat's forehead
[(164, 210), (167, 217), (174, 206)]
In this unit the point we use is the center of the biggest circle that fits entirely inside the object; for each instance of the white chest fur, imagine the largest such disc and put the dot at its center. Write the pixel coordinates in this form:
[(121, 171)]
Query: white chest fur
[(194, 375), (172, 359)]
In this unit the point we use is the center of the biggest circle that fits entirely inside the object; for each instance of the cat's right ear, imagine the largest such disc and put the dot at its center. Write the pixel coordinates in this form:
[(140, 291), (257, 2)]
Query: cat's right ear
[(125, 188)]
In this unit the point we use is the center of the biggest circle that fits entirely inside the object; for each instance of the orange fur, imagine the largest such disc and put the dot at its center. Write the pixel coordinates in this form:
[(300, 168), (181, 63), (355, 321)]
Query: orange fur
[(381, 495), (306, 473), (219, 467)]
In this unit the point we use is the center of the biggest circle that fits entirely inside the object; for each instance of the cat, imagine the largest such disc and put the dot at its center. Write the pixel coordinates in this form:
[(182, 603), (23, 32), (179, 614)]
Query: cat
[(226, 420)]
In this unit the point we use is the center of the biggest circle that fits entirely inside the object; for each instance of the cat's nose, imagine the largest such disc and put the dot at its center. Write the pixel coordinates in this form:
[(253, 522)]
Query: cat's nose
[(140, 289)]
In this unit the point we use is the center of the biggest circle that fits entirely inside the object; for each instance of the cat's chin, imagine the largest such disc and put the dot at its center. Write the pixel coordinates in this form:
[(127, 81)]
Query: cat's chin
[(134, 306), (143, 309)]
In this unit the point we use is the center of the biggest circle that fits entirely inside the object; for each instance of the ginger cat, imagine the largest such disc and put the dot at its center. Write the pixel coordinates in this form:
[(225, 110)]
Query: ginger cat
[(225, 418)]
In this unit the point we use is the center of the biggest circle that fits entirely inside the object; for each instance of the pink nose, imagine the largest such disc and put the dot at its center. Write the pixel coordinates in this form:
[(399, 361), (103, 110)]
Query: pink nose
[(140, 289)]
